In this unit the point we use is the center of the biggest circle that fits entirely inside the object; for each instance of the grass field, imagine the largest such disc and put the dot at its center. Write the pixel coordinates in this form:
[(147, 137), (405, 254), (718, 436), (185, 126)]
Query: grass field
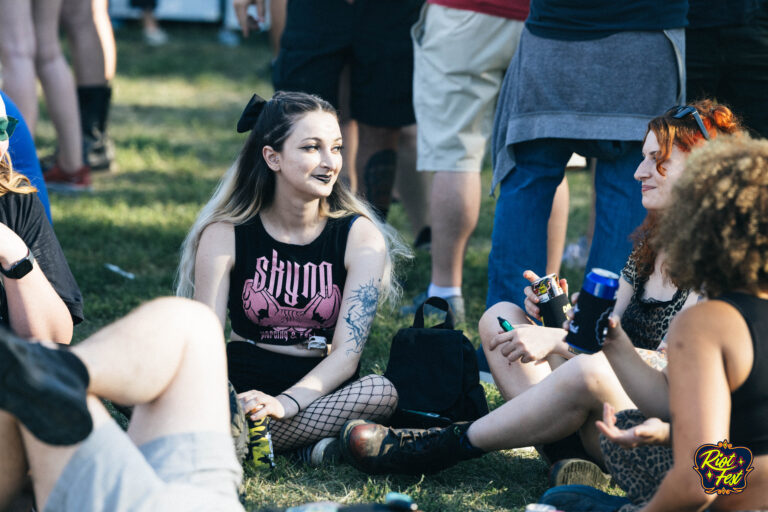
[(173, 120)]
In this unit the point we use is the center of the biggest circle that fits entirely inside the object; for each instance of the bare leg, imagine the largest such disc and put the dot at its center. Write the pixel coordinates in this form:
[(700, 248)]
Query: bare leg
[(48, 462), (557, 227), (376, 165), (58, 84), (512, 379), (567, 401), (17, 53), (89, 30), (167, 358), (454, 210), (349, 133), (148, 20), (13, 463), (412, 186), (277, 15), (349, 153)]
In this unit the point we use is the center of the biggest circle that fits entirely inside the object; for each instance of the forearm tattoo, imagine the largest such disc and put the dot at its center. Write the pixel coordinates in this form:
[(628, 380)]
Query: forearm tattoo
[(654, 358), (362, 309)]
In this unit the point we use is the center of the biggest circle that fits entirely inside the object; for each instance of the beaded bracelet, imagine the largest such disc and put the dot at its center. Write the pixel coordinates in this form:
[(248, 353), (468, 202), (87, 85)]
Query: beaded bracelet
[(293, 400)]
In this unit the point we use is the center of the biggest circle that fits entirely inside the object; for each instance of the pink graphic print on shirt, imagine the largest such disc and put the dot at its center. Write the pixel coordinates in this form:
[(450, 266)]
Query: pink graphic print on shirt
[(277, 286)]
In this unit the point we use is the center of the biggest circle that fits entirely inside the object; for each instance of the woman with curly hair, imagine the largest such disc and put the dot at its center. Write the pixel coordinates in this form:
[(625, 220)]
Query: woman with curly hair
[(715, 242), (298, 265), (542, 411)]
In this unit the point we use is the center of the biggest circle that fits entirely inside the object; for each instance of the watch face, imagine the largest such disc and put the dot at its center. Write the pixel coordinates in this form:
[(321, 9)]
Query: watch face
[(20, 269)]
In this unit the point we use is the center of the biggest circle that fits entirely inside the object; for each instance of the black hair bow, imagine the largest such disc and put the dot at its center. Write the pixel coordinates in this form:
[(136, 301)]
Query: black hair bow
[(251, 114)]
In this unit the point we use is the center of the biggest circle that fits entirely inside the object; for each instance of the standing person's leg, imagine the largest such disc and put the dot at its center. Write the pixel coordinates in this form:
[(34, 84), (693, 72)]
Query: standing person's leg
[(412, 186), (58, 84), (89, 31), (460, 57), (381, 91), (376, 165), (519, 240), (277, 12), (17, 54), (746, 71), (557, 227), (618, 209)]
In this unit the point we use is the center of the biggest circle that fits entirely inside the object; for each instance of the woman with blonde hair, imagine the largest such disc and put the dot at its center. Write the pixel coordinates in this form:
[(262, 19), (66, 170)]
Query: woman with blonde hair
[(39, 297), (298, 265)]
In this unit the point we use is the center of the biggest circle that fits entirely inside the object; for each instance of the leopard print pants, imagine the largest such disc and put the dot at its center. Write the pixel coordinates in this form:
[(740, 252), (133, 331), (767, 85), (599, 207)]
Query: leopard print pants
[(639, 471)]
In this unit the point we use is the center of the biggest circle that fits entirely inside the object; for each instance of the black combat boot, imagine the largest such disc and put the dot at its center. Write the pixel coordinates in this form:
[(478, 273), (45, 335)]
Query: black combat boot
[(376, 449), (98, 148)]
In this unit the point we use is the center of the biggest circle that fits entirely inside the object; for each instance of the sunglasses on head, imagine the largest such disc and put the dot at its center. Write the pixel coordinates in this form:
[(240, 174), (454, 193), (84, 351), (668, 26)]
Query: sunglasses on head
[(681, 111), (7, 126)]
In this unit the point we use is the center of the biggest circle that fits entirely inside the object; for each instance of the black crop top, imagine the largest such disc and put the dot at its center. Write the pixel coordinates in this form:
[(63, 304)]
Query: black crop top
[(749, 403), (282, 294)]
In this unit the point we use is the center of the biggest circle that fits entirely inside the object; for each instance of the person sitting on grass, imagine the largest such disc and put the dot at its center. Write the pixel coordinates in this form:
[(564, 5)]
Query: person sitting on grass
[(716, 242), (299, 266), (38, 294), (571, 396), (178, 452)]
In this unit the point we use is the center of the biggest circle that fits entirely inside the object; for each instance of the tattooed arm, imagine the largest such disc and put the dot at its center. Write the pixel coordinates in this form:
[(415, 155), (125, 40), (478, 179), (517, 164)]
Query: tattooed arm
[(365, 260)]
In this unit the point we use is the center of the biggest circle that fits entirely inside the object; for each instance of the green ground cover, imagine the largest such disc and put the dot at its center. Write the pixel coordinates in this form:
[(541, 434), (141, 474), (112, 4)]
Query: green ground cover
[(173, 120)]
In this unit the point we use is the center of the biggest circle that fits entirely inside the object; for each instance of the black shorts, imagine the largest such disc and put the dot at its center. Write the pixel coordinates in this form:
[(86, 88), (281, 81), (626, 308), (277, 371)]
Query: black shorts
[(731, 65), (372, 36), (251, 367)]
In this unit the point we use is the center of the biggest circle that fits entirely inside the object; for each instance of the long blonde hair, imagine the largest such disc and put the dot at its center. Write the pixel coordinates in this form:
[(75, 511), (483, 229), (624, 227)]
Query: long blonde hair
[(12, 181), (249, 186)]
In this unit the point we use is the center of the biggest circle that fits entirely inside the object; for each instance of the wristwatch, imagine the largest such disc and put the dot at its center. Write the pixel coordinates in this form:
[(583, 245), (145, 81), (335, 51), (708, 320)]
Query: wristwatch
[(20, 268)]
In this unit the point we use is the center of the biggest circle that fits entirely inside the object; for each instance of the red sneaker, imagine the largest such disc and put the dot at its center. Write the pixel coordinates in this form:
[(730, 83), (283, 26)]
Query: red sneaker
[(59, 181)]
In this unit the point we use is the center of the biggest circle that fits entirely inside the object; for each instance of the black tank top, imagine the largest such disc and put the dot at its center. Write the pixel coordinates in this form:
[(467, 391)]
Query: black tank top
[(282, 294), (749, 403)]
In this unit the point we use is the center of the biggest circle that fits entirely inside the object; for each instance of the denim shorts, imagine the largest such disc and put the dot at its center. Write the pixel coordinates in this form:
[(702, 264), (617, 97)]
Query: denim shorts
[(191, 472)]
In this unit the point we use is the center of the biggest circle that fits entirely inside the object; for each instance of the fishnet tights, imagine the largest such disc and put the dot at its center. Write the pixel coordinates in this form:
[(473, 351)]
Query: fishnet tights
[(371, 398)]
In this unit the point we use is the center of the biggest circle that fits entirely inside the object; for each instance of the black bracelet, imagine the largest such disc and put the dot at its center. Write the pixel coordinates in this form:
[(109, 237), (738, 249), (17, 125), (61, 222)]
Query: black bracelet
[(293, 400)]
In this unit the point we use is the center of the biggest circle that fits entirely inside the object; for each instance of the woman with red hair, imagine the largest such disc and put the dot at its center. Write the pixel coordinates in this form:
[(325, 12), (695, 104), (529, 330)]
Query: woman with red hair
[(545, 410)]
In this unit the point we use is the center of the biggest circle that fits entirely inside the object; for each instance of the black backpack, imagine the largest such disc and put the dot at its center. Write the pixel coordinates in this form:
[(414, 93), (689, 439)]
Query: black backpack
[(435, 373)]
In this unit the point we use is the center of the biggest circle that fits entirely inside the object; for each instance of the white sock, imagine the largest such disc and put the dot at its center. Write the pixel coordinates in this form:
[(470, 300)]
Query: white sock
[(443, 291)]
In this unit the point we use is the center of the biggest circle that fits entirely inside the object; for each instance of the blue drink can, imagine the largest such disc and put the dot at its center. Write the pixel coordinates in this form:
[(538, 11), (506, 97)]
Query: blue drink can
[(586, 333)]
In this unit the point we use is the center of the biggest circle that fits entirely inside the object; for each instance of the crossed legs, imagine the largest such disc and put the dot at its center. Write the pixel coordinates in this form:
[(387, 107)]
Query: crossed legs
[(568, 400), (166, 358)]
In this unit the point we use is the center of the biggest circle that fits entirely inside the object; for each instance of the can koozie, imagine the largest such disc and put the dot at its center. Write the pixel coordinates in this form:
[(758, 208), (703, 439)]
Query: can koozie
[(260, 444), (589, 326), (553, 311)]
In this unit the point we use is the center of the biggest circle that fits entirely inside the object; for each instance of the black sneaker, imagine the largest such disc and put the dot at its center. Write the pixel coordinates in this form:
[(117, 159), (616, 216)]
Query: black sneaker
[(45, 389), (376, 449), (326, 451)]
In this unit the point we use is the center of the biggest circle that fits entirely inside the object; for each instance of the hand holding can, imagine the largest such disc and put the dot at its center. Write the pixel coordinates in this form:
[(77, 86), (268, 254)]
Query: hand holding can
[(587, 330), (553, 301)]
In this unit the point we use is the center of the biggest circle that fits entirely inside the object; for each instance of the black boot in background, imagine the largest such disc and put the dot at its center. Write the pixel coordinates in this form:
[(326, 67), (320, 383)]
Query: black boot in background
[(98, 149)]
